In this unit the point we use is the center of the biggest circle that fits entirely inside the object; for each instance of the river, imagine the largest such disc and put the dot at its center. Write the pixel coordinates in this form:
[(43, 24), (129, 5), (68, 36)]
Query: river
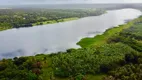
[(60, 36)]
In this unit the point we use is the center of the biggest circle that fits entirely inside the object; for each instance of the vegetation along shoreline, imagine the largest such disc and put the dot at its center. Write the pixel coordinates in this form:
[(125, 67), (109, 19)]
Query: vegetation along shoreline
[(109, 56), (17, 18)]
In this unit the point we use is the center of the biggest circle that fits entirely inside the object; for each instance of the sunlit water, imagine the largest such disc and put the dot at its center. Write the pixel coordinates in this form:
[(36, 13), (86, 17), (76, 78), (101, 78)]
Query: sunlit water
[(59, 36)]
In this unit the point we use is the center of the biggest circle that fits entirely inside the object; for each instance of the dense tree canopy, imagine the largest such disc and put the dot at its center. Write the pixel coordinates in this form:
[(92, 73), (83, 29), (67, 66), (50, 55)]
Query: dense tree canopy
[(119, 58), (16, 18)]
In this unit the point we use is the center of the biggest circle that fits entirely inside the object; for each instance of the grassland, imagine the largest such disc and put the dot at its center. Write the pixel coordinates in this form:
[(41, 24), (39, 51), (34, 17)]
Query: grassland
[(99, 40)]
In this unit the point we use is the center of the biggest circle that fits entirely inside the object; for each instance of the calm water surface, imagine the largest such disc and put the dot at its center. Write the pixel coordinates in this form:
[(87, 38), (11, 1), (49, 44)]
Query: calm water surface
[(59, 36)]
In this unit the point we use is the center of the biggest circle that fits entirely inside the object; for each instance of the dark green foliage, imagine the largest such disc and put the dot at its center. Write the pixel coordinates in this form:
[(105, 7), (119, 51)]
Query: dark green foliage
[(128, 72), (132, 69), (107, 67), (131, 58), (121, 59), (130, 36), (16, 18), (19, 61), (121, 50), (3, 66), (22, 68), (31, 76), (70, 50), (79, 77), (88, 61)]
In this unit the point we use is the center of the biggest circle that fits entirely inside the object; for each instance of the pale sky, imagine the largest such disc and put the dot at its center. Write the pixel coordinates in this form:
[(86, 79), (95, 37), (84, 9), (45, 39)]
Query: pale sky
[(13, 2)]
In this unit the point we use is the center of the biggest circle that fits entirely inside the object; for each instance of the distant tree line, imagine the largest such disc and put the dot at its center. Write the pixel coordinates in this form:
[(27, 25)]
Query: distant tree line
[(16, 18)]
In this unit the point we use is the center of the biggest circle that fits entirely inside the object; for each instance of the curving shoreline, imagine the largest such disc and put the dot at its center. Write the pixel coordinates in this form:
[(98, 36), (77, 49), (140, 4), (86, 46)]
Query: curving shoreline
[(46, 22), (99, 40), (88, 63), (53, 21), (58, 37), (32, 17)]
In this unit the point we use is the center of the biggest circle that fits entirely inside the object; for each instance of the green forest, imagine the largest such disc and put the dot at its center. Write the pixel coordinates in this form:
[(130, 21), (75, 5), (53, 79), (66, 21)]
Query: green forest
[(114, 55), (16, 18)]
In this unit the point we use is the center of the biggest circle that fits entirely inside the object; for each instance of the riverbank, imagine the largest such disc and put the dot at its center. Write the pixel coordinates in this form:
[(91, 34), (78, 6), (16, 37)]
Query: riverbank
[(29, 17), (55, 21), (86, 63), (115, 44), (99, 40), (43, 23), (101, 57)]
